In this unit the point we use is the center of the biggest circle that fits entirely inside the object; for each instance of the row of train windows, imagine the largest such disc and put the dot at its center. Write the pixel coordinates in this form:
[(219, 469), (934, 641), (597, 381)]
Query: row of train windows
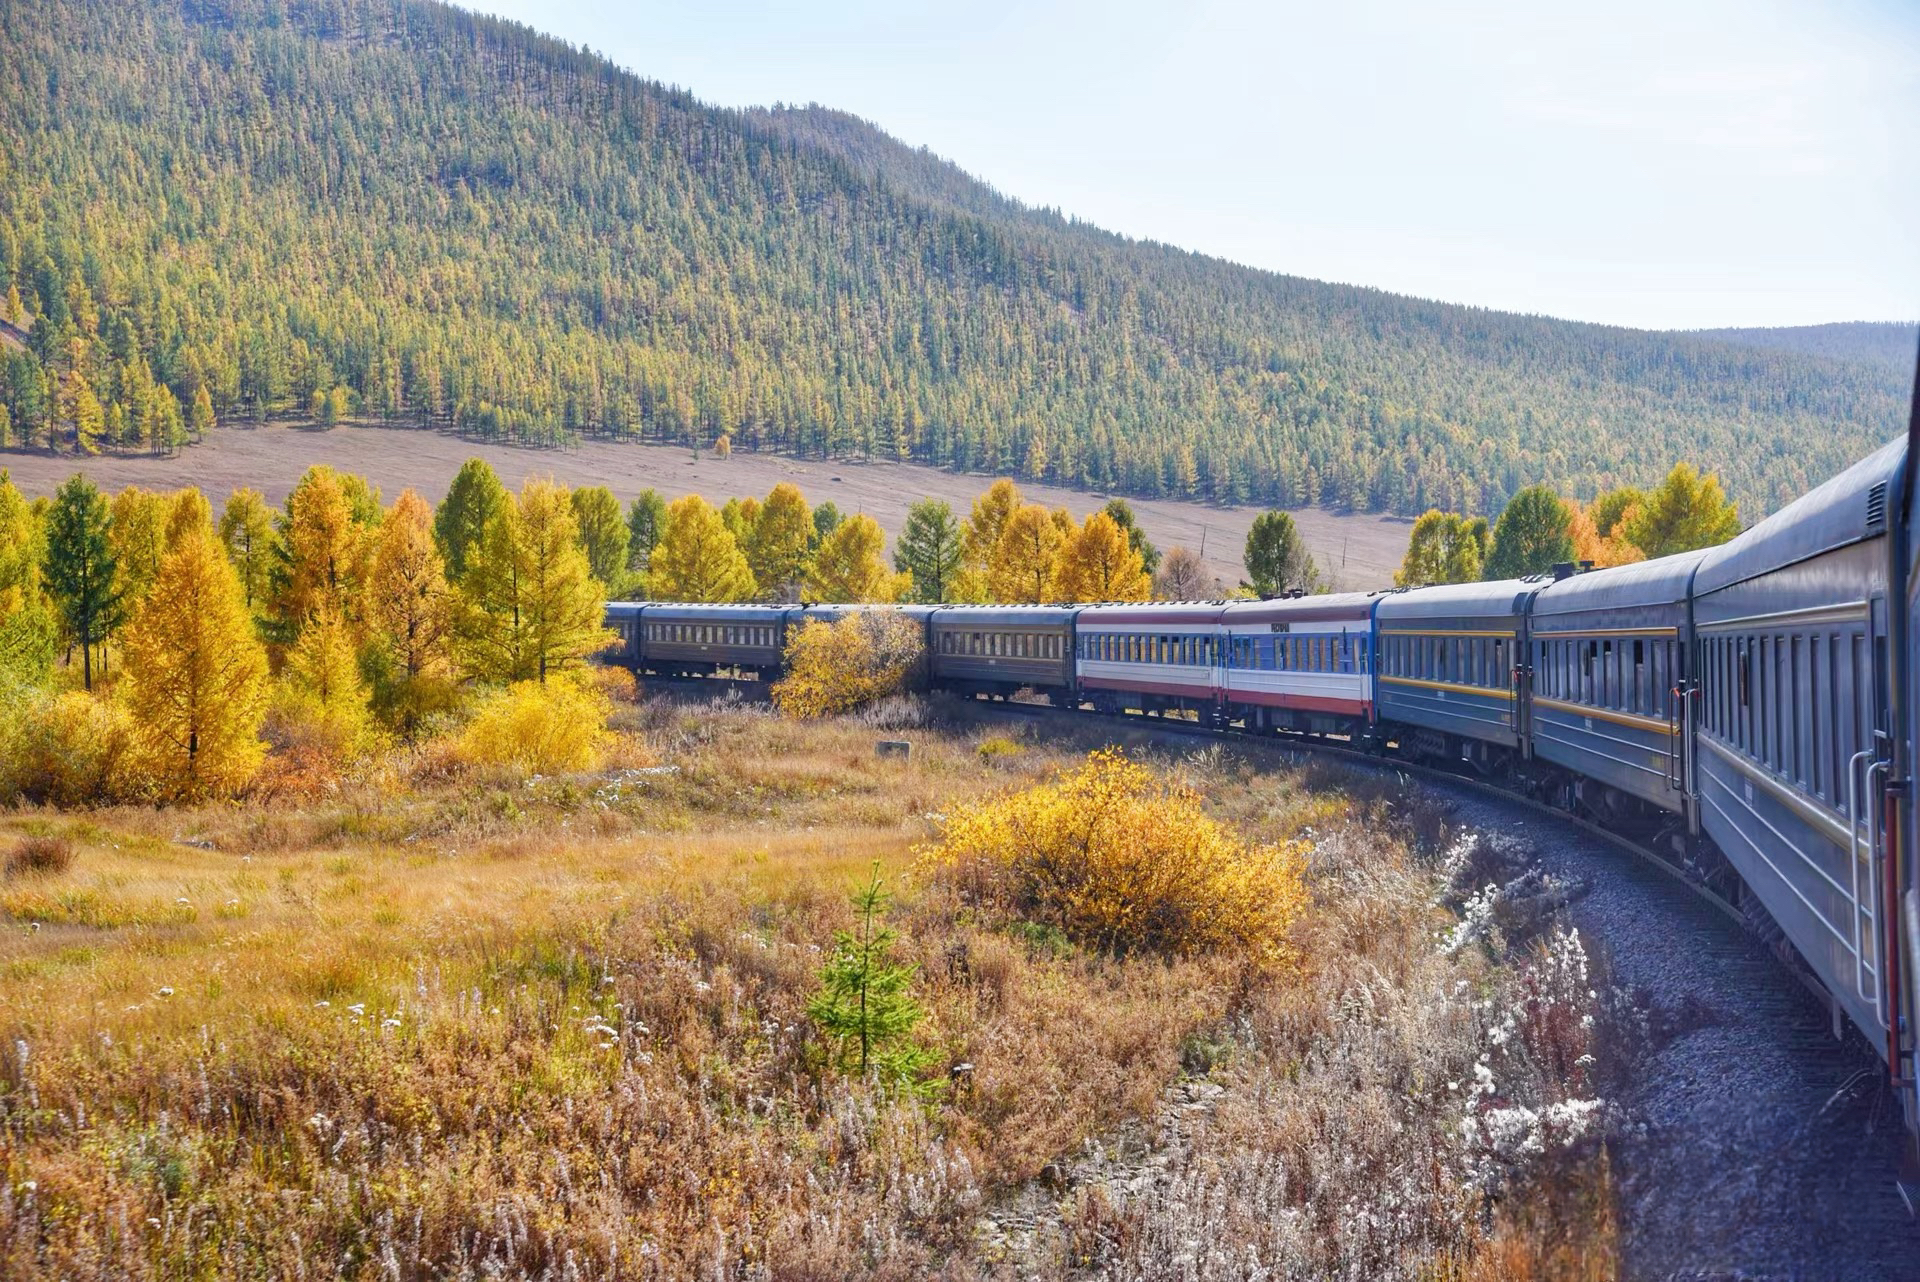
[(1801, 705), (1458, 660), (1010, 645), (1150, 647), (1626, 674), (1327, 652), (748, 634)]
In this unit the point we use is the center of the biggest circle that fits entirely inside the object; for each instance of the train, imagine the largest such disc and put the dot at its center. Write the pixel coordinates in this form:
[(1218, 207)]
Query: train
[(1747, 711)]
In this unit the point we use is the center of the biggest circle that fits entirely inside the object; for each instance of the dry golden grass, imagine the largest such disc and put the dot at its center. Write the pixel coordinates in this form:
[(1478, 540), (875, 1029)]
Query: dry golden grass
[(439, 1020)]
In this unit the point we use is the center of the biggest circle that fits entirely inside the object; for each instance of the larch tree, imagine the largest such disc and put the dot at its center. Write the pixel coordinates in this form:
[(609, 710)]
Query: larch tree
[(323, 684), (200, 417), (188, 513), (929, 549), (83, 411), (1099, 564), (490, 633), (408, 596), (776, 548), (1276, 556), (1123, 516), (1534, 533), (848, 567), (697, 558), (466, 514), (1021, 569), (138, 528), (325, 553), (826, 519), (196, 681), (1686, 511), (646, 521), (565, 609), (20, 551), (82, 574), (603, 534), (252, 545)]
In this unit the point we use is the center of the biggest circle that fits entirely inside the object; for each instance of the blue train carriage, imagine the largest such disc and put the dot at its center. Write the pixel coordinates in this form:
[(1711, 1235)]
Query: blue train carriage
[(1796, 730), (623, 620), (692, 640), (1608, 659), (1446, 677), (1157, 657), (1003, 650), (1303, 664)]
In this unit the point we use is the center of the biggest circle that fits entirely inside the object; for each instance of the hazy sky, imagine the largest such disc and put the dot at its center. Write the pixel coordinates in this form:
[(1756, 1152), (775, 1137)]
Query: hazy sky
[(1645, 162)]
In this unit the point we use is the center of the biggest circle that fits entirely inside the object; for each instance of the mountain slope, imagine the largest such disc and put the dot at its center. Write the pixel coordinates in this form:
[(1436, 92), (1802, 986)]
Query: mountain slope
[(467, 224), (1888, 342)]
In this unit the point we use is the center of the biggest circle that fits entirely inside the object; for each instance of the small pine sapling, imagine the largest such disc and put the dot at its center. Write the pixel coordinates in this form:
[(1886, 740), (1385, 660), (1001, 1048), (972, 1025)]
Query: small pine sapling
[(864, 1005)]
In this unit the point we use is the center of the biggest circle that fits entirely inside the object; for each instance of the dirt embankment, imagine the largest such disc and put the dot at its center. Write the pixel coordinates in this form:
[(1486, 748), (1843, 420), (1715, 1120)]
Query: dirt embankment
[(1356, 551)]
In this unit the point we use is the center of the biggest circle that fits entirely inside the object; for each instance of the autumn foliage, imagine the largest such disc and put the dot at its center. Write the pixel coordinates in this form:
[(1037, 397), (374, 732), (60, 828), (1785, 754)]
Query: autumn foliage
[(834, 667), (1120, 860), (550, 727)]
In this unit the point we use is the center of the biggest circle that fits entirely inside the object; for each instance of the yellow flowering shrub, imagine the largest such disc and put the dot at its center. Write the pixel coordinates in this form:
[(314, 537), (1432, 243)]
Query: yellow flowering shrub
[(62, 749), (836, 667), (1121, 860), (549, 727)]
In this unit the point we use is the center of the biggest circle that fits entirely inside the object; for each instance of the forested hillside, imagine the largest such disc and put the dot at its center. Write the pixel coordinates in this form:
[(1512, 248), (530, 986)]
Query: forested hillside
[(1886, 341), (396, 209)]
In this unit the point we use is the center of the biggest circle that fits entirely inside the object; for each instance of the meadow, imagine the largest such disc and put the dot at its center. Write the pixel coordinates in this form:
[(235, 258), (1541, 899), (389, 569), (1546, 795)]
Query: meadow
[(438, 1019)]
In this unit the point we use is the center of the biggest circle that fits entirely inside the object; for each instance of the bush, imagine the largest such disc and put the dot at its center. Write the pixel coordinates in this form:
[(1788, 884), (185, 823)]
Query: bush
[(836, 667), (550, 727), (996, 746), (62, 749), (47, 855), (1120, 860)]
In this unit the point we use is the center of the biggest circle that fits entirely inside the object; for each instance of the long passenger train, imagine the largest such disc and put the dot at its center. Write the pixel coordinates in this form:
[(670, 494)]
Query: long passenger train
[(1747, 710)]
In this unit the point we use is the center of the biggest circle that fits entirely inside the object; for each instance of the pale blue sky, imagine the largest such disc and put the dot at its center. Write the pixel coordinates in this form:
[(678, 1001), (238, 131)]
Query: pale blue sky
[(1663, 163)]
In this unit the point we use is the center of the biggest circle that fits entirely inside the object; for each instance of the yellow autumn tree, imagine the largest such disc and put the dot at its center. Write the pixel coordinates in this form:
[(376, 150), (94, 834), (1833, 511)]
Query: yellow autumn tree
[(196, 678), (322, 700), (188, 512), (986, 523), (776, 547), (1022, 567), (1123, 861), (327, 552), (848, 567), (835, 667), (408, 596), (565, 610), (1590, 545), (247, 533), (137, 531), (1099, 564), (697, 558)]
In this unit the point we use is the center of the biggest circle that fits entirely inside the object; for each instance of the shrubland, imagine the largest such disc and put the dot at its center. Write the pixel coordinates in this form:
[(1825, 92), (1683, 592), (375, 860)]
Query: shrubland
[(452, 1018)]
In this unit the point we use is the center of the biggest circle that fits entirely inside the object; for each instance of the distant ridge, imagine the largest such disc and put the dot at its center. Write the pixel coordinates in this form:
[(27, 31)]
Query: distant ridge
[(473, 227), (1892, 342)]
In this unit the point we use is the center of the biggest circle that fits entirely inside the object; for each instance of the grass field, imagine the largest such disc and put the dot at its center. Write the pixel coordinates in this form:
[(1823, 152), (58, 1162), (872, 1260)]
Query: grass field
[(434, 1022), (1358, 551)]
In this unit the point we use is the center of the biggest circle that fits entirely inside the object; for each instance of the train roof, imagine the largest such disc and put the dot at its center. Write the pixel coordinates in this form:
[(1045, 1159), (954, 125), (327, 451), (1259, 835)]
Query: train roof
[(961, 616), (1850, 507), (1154, 612), (735, 613), (1666, 581), (1452, 600), (1302, 609)]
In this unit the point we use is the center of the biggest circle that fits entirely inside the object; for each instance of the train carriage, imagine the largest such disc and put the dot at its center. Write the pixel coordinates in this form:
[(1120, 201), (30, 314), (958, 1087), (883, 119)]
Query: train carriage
[(1158, 657), (708, 640), (1003, 649), (1446, 669), (1607, 655), (1795, 729), (1303, 664)]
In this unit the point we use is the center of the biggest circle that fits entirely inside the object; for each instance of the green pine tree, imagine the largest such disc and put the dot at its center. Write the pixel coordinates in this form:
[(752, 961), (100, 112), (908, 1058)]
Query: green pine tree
[(865, 1006)]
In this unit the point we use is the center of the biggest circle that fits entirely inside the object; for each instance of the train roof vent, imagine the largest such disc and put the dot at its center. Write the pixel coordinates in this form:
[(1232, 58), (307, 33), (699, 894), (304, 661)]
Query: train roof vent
[(1877, 507)]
